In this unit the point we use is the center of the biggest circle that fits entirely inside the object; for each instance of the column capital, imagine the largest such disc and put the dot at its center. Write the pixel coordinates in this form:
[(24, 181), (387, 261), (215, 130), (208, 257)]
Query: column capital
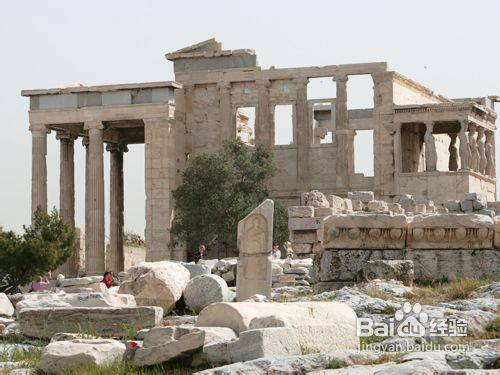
[(118, 147), (65, 135), (39, 128), (464, 124), (91, 125), (224, 85), (340, 78), (263, 83), (429, 126)]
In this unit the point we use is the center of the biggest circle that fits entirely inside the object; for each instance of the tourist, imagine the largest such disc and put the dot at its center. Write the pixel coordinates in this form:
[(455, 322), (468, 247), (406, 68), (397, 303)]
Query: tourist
[(276, 253), (107, 279), (39, 285), (200, 254)]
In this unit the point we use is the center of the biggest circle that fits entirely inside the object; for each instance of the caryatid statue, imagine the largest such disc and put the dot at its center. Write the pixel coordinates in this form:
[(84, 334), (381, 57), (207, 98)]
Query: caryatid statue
[(474, 152), (489, 151), (430, 149), (464, 149), (453, 162), (481, 150)]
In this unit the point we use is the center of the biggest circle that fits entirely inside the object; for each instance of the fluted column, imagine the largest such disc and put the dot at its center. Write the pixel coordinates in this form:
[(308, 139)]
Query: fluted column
[(481, 150), (67, 192), (490, 154), (38, 167), (345, 137), (116, 221), (452, 149), (464, 149), (430, 148), (94, 205)]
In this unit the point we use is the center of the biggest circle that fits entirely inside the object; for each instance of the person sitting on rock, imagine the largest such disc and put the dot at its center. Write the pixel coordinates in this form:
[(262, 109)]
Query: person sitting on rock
[(200, 254), (39, 285), (276, 253), (107, 279)]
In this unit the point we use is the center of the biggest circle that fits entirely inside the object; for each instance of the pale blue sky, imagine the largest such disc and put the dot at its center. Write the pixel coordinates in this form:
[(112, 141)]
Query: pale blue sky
[(450, 46)]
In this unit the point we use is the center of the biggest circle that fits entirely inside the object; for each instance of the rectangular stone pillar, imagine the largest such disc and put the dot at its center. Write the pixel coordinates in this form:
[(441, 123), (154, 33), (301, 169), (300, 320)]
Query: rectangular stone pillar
[(303, 134), (345, 138), (159, 183), (116, 259), (38, 167), (227, 125), (67, 194), (264, 132), (94, 204)]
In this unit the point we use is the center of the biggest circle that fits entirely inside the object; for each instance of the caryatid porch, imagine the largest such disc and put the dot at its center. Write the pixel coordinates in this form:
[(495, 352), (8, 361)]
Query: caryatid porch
[(445, 150), (115, 115)]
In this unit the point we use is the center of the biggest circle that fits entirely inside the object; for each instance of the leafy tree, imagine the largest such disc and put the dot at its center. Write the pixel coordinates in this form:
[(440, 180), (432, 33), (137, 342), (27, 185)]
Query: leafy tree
[(218, 190), (44, 246)]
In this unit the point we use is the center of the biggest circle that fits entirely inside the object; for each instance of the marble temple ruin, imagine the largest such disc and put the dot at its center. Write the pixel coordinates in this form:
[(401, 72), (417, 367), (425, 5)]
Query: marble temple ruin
[(424, 144)]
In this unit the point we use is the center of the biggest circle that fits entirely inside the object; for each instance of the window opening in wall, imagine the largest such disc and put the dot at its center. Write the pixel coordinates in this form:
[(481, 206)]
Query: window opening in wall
[(359, 91), (283, 124), (321, 94), (363, 152), (245, 124)]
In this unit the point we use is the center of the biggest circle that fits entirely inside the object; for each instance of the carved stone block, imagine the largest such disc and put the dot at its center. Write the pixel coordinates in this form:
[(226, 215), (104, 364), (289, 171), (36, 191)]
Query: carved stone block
[(364, 231), (445, 231), (300, 211)]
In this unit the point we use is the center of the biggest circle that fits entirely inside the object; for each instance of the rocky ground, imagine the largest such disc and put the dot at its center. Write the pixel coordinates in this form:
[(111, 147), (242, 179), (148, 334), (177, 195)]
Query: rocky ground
[(32, 339)]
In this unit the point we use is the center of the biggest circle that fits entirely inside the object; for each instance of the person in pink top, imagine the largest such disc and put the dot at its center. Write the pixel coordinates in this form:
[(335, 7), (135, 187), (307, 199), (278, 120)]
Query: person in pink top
[(39, 285)]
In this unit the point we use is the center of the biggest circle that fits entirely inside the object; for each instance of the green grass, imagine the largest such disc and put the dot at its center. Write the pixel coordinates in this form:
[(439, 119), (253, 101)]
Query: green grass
[(304, 350), (336, 363), (445, 291), (27, 358), (125, 368)]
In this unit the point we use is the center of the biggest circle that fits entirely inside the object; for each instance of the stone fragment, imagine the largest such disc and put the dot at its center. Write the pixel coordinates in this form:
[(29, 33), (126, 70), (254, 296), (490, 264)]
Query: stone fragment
[(255, 239), (229, 277), (466, 205), (92, 282), (348, 204), (181, 346), (363, 196), (371, 231), (62, 336), (323, 211), (6, 308), (301, 211), (304, 223), (486, 212), (156, 283), (308, 319), (443, 231), (62, 299), (395, 208), (473, 197), (304, 236), (478, 205), (495, 206), (64, 355), (197, 269), (315, 198), (496, 229), (357, 205), (302, 248), (420, 208), (401, 270), (453, 205), (203, 290), (317, 248), (336, 203), (103, 321), (375, 206)]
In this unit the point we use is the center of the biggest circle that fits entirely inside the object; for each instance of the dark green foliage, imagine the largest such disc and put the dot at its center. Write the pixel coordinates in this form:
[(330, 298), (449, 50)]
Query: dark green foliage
[(220, 189), (44, 246)]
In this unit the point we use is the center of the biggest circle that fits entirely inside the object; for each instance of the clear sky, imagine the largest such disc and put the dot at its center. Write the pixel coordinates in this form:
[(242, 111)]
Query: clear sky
[(450, 46)]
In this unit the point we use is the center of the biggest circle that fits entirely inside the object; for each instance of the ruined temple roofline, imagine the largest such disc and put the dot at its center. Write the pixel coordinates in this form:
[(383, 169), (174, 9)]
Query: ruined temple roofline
[(101, 88)]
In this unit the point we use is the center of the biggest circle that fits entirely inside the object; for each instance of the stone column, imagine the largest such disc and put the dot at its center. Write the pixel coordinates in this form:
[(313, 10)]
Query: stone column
[(345, 137), (264, 132), (38, 167), (159, 183), (490, 154), (430, 148), (464, 149), (116, 221), (303, 134), (94, 205), (453, 161), (189, 109), (398, 158), (67, 193), (227, 125), (481, 149), (474, 152)]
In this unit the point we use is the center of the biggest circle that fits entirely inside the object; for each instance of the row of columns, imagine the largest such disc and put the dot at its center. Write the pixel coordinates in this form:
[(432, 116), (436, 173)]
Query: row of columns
[(476, 149), (94, 193)]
